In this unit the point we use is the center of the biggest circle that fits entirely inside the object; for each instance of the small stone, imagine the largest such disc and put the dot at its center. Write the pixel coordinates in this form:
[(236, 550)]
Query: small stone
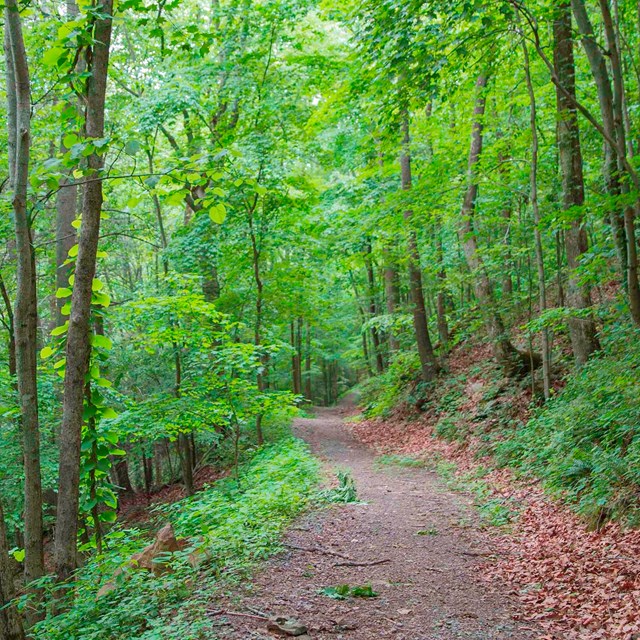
[(287, 627)]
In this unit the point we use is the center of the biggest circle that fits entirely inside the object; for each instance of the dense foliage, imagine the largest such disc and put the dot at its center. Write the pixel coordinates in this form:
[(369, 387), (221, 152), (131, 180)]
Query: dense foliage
[(229, 526), (215, 211)]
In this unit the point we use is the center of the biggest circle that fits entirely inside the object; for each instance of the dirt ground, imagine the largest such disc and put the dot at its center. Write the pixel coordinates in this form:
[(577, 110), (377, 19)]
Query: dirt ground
[(423, 537)]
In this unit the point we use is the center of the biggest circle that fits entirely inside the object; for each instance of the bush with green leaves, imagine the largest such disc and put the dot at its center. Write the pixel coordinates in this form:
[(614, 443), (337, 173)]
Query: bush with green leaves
[(233, 524), (585, 442), (381, 394)]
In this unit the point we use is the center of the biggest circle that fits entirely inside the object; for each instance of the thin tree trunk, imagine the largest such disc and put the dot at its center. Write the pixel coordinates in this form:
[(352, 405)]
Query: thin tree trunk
[(257, 335), (582, 330), (66, 210), (611, 108), (26, 307), (441, 300), (428, 363), (78, 336), (307, 374), (158, 450), (299, 354), (542, 289), (10, 326), (294, 360), (373, 307), (391, 295), (10, 621), (504, 352), (363, 319), (184, 448)]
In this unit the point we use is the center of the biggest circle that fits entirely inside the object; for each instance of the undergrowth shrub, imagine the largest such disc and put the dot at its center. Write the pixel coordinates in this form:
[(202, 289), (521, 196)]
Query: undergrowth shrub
[(233, 524), (381, 394), (585, 443)]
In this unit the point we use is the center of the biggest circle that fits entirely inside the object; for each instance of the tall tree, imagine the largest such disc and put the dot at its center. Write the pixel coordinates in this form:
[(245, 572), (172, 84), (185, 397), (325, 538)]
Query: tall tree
[(582, 329), (428, 363), (78, 348), (26, 307), (507, 356), (537, 232)]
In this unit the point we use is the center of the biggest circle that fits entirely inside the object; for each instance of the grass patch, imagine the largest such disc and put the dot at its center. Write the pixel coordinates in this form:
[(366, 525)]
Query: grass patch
[(344, 591), (235, 524), (584, 444), (393, 460)]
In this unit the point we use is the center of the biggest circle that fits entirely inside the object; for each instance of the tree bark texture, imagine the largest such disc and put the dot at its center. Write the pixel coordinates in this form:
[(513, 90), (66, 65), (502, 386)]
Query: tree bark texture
[(582, 330), (428, 363), (26, 306), (78, 336), (506, 355)]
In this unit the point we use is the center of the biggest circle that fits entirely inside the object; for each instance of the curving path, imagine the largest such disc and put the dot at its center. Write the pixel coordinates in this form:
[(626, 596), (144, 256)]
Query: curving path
[(428, 585)]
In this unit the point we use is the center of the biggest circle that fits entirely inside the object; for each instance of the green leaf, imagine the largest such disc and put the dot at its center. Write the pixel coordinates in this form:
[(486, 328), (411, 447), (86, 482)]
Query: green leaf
[(101, 299), (70, 139), (108, 516), (61, 330), (102, 342), (46, 352), (218, 213), (52, 56), (132, 147), (18, 555), (63, 292)]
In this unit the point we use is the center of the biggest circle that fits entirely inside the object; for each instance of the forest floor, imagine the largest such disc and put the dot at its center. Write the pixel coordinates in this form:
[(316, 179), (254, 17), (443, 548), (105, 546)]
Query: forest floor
[(423, 539)]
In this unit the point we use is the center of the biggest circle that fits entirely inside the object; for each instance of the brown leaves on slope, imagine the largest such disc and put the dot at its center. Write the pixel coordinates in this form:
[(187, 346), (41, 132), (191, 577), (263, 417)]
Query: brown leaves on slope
[(576, 584)]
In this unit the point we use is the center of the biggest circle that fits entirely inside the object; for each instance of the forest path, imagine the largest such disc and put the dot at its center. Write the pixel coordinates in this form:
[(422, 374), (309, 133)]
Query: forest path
[(425, 533)]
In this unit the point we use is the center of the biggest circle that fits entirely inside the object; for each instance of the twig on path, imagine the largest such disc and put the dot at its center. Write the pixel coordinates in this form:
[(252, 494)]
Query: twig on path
[(318, 550), (361, 564), (224, 612), (256, 611)]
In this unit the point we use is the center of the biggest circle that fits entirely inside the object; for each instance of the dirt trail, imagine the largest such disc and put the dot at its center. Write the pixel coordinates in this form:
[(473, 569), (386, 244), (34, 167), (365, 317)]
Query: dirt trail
[(427, 589)]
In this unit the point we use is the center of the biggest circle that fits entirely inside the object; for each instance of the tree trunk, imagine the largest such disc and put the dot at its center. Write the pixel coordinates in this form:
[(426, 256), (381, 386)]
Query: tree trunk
[(66, 209), (391, 295), (504, 352), (121, 469), (428, 363), (582, 330), (299, 354), (294, 359), (10, 621), (158, 452), (373, 307), (26, 307), (11, 342), (257, 334), (441, 300), (78, 336), (542, 289), (307, 374), (612, 111)]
